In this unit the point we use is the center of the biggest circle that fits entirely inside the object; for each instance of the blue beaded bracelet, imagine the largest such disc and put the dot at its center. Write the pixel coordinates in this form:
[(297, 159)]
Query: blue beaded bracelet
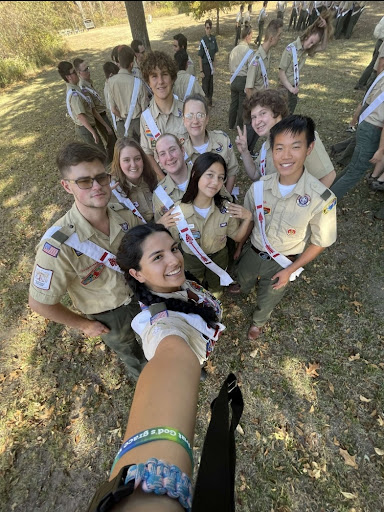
[(161, 478)]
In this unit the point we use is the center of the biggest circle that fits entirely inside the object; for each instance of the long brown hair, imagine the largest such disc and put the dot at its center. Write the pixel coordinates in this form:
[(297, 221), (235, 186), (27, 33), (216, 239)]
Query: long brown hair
[(148, 175), (321, 31)]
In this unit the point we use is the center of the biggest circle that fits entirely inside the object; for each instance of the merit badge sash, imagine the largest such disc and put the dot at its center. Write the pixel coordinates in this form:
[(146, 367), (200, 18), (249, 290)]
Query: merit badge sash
[(263, 70), (93, 92), (148, 118), (283, 261), (135, 94), (190, 86), (187, 236), (243, 61), (375, 103), (128, 203), (69, 94), (263, 159), (88, 248), (207, 55), (296, 77)]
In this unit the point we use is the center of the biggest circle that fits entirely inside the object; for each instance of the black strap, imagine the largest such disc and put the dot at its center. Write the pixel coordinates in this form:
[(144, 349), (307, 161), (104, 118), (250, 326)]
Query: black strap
[(215, 484)]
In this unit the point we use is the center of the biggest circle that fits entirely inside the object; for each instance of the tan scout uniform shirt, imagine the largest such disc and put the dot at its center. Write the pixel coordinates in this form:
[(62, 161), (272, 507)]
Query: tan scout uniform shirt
[(141, 197), (220, 143), (181, 85), (191, 66), (380, 56), (172, 190), (254, 75), (80, 106), (376, 117), (286, 62), (92, 286), (237, 55), (308, 213), (318, 163), (210, 233), (120, 93), (96, 98), (166, 123)]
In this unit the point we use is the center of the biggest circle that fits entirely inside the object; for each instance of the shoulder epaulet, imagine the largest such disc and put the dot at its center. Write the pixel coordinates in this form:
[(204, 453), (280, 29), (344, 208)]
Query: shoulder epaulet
[(321, 189), (117, 207), (219, 132), (59, 233), (326, 194)]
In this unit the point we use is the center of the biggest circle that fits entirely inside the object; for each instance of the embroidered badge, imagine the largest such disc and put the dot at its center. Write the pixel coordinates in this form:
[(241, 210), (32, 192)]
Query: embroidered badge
[(180, 112), (148, 133), (163, 210), (136, 204), (153, 143), (223, 210), (161, 314), (267, 211), (78, 253), (223, 224), (291, 231), (303, 200), (255, 62), (42, 278), (51, 250), (124, 226), (229, 145), (182, 140), (196, 234), (219, 149), (330, 205), (92, 276)]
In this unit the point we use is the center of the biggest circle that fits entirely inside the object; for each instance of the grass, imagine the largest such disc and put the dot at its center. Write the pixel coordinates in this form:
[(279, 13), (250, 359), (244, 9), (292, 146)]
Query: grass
[(65, 398)]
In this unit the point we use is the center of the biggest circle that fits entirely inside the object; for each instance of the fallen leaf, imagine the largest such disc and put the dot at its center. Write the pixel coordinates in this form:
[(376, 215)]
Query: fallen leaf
[(331, 387), (357, 304), (349, 495), (311, 370), (380, 421), (239, 429), (254, 353), (311, 410), (336, 442), (366, 400), (348, 459), (378, 451), (354, 358)]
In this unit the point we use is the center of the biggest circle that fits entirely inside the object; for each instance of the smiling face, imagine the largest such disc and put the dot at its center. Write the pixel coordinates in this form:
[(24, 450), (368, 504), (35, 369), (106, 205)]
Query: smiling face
[(262, 120), (289, 153), (212, 180), (161, 265), (161, 83), (311, 41), (170, 154), (131, 163), (140, 54), (197, 125)]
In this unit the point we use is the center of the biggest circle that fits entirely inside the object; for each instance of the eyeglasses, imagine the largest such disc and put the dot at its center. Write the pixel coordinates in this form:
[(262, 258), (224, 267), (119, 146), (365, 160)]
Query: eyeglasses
[(84, 183), (84, 70), (198, 115)]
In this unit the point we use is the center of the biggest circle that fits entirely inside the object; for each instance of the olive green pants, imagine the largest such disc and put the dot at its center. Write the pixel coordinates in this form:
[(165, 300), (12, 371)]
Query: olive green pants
[(86, 136), (133, 130), (121, 337), (203, 274), (251, 268)]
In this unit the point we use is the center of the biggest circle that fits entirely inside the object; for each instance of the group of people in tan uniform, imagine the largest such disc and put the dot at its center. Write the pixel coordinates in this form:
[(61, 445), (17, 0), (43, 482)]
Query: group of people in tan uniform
[(167, 167)]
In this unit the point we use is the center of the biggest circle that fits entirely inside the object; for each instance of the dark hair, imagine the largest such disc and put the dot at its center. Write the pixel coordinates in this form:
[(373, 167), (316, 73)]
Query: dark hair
[(64, 67), (246, 31), (197, 97), (135, 45), (110, 68), (126, 56), (273, 28), (128, 257), (274, 99), (159, 60), (315, 28), (181, 59), (242, 7), (208, 22), (249, 7), (182, 40), (114, 54), (149, 175), (75, 153), (201, 164), (77, 63), (294, 124)]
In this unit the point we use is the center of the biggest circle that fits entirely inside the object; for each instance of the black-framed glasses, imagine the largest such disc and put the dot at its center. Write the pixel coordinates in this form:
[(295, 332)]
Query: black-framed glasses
[(84, 183)]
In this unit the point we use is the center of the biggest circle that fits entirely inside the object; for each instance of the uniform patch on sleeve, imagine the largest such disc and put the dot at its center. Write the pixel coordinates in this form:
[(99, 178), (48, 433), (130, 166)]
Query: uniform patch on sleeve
[(223, 224), (219, 148), (124, 226), (267, 210), (42, 278), (161, 314), (51, 250), (78, 253), (94, 274), (330, 205)]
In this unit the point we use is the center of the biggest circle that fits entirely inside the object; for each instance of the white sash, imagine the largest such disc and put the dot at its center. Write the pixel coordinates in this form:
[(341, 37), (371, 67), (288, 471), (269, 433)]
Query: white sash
[(187, 236), (93, 92), (263, 70), (263, 159), (88, 248), (243, 61), (296, 76), (151, 124), (283, 261), (359, 10), (375, 103), (113, 120), (69, 94), (207, 55), (128, 203), (135, 94), (190, 86)]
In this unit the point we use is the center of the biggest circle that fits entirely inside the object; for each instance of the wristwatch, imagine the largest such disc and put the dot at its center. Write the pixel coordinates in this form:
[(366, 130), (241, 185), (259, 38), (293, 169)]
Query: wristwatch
[(111, 492)]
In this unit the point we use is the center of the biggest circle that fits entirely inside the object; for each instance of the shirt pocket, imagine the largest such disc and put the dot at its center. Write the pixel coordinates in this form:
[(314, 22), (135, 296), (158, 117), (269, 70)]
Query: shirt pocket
[(292, 229)]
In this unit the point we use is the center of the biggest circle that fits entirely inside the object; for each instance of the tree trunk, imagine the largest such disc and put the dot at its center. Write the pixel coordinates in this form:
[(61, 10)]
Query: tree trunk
[(136, 18), (217, 21)]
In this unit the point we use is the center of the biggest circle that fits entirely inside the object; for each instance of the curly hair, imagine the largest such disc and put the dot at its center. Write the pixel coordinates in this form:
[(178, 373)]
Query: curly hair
[(129, 256), (149, 175), (315, 28), (161, 60), (276, 100)]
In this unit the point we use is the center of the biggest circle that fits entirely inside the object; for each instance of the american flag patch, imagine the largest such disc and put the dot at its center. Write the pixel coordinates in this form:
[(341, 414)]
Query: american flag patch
[(161, 314), (51, 250)]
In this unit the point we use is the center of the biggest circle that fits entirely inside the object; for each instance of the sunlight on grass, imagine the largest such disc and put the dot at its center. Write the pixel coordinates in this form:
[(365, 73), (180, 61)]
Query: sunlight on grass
[(21, 142), (6, 183), (294, 372)]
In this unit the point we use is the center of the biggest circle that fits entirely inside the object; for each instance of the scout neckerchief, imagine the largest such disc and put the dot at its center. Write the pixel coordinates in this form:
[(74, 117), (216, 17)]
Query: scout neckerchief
[(263, 159), (187, 236), (148, 118), (69, 94), (190, 86), (263, 69), (282, 260), (135, 94), (207, 55), (128, 203), (375, 103), (87, 247), (243, 61), (292, 48)]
